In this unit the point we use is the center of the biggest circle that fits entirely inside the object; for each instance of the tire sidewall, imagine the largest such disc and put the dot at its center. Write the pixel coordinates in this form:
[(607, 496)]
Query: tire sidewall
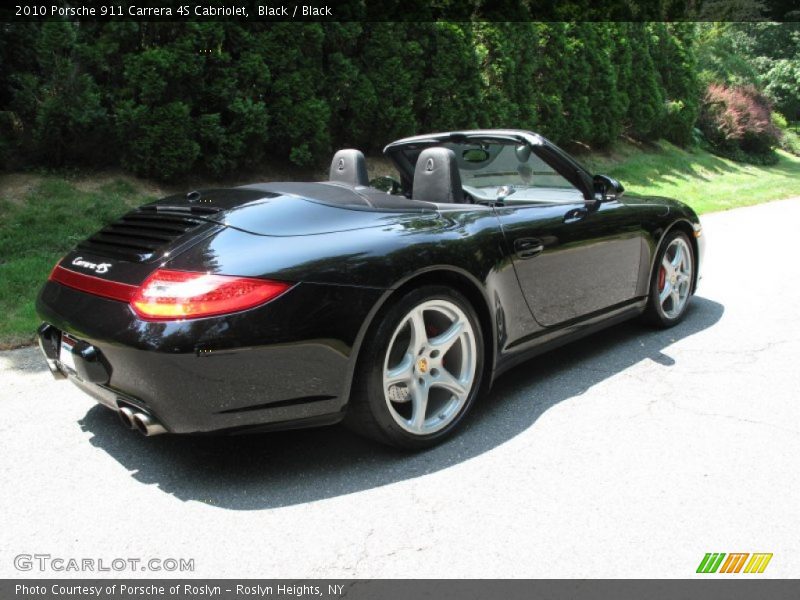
[(376, 351)]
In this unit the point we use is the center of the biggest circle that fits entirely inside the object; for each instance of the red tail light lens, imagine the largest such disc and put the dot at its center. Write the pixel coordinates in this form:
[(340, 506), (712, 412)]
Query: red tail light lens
[(93, 285), (170, 294)]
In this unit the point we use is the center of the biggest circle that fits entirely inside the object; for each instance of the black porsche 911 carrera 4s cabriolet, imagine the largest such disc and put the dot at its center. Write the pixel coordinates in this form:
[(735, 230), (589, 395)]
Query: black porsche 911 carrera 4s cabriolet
[(389, 306)]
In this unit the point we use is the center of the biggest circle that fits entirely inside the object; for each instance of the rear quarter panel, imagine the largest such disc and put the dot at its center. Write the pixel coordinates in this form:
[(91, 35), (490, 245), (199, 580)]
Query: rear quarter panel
[(466, 242)]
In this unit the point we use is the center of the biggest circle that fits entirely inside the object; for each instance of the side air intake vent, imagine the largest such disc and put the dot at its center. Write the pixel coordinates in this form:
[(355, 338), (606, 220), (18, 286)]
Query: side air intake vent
[(140, 234)]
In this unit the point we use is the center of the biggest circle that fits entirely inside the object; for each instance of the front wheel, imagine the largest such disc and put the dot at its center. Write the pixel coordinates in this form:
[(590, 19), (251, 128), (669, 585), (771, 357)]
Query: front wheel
[(421, 371), (672, 282)]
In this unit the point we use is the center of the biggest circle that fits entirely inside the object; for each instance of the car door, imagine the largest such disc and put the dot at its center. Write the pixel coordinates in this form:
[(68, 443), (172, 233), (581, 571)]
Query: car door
[(573, 258)]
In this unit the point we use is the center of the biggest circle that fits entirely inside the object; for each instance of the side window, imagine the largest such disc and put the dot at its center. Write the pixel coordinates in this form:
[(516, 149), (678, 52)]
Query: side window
[(537, 173)]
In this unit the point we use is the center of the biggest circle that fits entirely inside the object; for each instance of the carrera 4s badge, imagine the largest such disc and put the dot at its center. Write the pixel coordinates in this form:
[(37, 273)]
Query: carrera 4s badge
[(99, 268)]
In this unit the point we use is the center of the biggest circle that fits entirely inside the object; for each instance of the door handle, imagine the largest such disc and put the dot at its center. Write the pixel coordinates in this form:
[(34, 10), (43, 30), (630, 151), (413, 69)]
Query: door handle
[(575, 215), (527, 247)]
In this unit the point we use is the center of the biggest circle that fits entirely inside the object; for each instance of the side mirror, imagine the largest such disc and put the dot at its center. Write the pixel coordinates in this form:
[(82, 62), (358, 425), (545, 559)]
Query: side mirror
[(386, 184), (607, 188)]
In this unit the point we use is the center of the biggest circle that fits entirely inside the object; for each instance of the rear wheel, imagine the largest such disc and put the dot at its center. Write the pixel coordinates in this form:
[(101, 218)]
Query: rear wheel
[(671, 287), (421, 370)]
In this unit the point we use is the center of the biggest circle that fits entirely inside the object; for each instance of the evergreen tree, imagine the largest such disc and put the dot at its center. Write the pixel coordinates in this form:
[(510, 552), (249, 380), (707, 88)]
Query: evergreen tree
[(646, 98)]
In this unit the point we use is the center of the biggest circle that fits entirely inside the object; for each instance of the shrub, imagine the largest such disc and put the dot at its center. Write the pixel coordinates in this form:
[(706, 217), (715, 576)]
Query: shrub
[(506, 60), (790, 142), (8, 139), (55, 106), (391, 60), (447, 100), (71, 123), (550, 81), (790, 139), (645, 92), (295, 97), (675, 60), (783, 87), (166, 98), (157, 142), (678, 122), (737, 122)]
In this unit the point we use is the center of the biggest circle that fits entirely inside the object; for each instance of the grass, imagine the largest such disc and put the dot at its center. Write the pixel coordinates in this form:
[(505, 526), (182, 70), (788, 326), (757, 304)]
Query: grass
[(702, 180), (41, 220), (39, 228)]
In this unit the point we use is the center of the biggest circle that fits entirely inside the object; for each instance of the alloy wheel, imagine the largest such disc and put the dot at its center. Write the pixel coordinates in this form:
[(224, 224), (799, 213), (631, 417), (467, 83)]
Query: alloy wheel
[(430, 367), (675, 278)]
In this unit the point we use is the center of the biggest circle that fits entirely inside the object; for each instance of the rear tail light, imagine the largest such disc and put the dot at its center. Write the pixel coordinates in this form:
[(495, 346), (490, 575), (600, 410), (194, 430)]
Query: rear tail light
[(93, 285), (170, 294)]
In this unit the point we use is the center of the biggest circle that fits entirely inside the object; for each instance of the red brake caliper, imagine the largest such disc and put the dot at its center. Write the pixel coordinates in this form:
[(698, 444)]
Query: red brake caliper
[(662, 278)]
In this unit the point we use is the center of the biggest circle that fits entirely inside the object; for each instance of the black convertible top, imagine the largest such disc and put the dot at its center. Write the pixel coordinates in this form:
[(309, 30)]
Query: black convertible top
[(325, 192)]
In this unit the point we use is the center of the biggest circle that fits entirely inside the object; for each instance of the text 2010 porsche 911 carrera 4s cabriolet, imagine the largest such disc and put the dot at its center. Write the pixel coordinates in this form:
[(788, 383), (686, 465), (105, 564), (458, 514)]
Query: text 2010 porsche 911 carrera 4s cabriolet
[(390, 307)]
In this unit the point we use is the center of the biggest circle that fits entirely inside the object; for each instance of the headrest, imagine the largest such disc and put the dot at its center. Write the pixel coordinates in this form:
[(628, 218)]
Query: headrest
[(436, 177), (350, 167)]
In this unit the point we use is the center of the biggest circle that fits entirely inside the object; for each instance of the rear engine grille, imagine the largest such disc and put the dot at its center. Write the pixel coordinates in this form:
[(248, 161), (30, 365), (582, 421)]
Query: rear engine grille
[(141, 233)]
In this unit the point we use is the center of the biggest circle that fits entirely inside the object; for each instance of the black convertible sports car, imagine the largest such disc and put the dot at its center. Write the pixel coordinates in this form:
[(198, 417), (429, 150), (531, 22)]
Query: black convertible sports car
[(390, 307)]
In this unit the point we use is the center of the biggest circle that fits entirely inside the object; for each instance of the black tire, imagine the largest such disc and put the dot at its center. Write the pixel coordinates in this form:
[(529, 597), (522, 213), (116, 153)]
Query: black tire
[(655, 313), (368, 412)]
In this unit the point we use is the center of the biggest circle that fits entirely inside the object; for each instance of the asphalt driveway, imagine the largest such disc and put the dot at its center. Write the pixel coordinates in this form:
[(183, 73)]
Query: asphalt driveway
[(629, 454)]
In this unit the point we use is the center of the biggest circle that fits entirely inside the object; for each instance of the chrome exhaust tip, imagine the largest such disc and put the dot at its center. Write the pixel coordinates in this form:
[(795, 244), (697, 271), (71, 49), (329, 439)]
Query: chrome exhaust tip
[(126, 416), (147, 425)]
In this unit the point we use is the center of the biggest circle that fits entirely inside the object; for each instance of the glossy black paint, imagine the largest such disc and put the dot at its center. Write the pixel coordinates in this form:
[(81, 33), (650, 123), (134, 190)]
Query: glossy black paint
[(539, 275)]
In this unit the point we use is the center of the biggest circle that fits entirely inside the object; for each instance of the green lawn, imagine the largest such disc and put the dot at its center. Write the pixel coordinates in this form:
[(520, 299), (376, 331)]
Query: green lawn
[(40, 225), (704, 181)]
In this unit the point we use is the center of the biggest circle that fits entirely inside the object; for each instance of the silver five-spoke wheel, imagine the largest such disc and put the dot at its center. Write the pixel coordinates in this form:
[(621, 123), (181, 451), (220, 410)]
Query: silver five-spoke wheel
[(675, 278), (430, 367)]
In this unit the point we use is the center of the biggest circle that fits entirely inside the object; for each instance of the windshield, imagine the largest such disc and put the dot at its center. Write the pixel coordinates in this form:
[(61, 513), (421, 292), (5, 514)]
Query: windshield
[(512, 170)]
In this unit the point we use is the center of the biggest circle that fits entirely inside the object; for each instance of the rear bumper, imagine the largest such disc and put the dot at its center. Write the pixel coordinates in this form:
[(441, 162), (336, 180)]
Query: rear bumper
[(285, 364)]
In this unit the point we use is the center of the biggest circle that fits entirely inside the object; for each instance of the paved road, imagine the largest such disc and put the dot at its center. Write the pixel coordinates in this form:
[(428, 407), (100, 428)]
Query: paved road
[(630, 454)]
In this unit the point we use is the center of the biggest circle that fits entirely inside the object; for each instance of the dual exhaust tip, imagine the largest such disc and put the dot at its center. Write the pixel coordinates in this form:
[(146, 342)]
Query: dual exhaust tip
[(141, 421)]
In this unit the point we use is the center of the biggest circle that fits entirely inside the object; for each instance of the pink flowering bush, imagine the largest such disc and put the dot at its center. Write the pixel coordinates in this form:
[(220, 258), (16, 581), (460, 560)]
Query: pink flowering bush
[(737, 122)]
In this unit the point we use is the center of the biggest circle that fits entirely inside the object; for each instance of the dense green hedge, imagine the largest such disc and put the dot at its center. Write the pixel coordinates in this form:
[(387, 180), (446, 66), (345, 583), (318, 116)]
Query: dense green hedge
[(163, 99)]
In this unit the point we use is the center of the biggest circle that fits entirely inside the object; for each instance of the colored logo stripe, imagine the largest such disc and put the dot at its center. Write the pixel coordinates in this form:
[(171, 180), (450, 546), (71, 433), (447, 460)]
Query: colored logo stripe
[(758, 563), (711, 562), (733, 564)]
